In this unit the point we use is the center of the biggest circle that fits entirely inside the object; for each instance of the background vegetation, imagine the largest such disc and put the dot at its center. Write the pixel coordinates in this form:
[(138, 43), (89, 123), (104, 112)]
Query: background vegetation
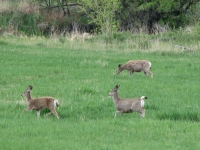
[(61, 17)]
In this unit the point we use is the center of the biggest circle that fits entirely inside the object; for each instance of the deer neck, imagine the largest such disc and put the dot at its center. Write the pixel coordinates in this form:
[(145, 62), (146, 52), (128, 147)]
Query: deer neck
[(123, 67), (28, 96), (115, 98)]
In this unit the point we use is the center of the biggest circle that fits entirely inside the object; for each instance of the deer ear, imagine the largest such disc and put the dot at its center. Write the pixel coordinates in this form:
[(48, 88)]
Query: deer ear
[(117, 86), (119, 65), (30, 87)]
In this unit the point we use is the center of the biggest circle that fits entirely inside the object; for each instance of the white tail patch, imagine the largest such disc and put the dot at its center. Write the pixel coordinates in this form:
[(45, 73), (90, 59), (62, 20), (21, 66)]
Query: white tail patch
[(143, 97), (142, 100), (56, 103), (142, 103), (149, 64)]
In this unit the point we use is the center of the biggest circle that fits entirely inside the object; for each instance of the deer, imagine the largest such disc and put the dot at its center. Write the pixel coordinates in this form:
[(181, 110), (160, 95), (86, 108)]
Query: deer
[(127, 105), (136, 66), (40, 103)]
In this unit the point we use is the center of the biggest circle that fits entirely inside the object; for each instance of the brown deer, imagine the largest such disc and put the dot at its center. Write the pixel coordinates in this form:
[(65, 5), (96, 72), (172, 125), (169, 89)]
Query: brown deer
[(135, 66), (127, 105), (40, 103)]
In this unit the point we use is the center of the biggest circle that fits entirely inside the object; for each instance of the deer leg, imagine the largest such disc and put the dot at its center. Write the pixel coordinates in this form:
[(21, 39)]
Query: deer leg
[(116, 113), (26, 109), (142, 113), (55, 113), (131, 73), (48, 113), (151, 74), (148, 72), (38, 113)]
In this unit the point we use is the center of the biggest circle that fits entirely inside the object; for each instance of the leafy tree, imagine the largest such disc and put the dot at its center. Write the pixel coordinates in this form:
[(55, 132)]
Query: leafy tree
[(110, 15), (137, 13), (63, 4), (102, 13)]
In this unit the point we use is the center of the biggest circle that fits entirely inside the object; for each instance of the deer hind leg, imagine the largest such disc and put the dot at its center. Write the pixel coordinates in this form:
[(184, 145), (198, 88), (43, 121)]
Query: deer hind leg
[(48, 114), (146, 71), (54, 112), (151, 74), (141, 112)]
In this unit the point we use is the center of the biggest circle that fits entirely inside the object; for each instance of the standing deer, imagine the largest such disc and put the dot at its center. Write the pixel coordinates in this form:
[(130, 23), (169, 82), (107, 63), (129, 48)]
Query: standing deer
[(127, 105), (135, 66), (40, 103)]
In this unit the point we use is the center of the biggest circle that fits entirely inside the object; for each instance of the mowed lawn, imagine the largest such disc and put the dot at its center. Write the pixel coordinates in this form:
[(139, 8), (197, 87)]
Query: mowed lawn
[(81, 78)]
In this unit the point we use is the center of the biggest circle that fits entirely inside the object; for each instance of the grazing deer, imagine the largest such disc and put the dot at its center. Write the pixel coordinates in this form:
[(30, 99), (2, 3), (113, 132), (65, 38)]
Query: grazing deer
[(40, 103), (136, 66), (127, 105)]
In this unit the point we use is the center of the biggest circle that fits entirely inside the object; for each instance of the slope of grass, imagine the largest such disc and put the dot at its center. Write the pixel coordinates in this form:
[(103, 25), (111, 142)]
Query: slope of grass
[(80, 77)]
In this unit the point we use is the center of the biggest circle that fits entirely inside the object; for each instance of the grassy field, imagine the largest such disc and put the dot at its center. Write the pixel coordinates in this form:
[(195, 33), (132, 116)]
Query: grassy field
[(80, 75)]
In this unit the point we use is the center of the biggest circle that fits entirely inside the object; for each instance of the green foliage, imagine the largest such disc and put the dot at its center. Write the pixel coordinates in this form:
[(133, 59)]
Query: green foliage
[(102, 13), (107, 16), (4, 19), (147, 13), (167, 6), (24, 23)]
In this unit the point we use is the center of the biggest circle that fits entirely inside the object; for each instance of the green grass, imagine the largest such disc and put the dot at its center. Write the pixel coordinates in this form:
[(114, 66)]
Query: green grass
[(80, 75)]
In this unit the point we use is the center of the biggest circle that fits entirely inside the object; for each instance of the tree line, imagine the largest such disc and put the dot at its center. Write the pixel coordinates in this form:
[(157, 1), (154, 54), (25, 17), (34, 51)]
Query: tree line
[(106, 16)]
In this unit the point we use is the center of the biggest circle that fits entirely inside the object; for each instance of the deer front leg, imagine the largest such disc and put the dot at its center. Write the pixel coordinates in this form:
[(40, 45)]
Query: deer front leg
[(131, 73), (38, 113), (116, 113), (26, 109)]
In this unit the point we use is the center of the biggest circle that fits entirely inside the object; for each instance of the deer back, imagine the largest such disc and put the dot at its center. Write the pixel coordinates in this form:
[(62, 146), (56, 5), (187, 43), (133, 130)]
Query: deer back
[(128, 104), (39, 103)]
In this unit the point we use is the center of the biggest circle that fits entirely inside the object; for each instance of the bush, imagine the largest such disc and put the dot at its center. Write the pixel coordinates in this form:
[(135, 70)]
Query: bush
[(25, 23)]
